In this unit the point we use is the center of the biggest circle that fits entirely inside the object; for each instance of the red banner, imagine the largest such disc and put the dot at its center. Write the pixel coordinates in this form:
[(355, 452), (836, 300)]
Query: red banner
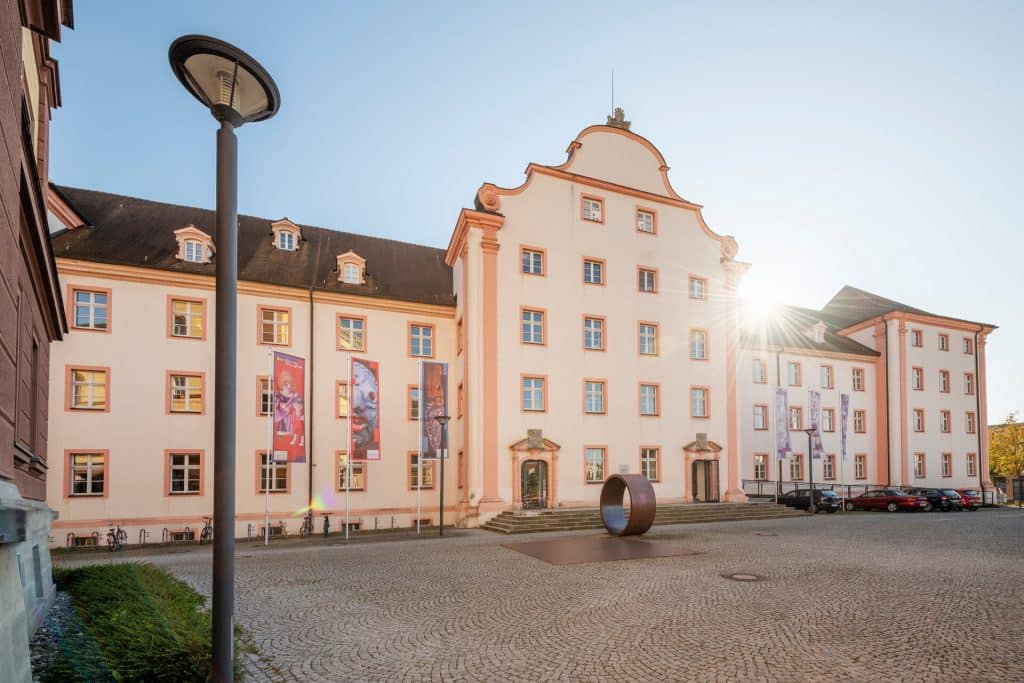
[(289, 408), (364, 410)]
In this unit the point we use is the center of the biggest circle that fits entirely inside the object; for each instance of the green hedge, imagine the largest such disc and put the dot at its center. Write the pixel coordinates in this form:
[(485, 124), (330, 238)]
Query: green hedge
[(135, 623)]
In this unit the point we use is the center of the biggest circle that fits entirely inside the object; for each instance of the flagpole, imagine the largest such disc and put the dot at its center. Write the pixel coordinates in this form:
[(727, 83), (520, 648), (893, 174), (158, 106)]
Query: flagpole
[(842, 473), (419, 450), (773, 455), (348, 442), (270, 450)]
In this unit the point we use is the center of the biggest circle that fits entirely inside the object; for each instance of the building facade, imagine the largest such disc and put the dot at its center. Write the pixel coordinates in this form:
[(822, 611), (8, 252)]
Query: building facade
[(30, 318), (916, 383), (589, 318)]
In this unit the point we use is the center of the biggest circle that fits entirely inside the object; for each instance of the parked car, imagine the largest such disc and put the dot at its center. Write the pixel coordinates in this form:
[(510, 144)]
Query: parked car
[(887, 499), (939, 499), (824, 500), (971, 498), (787, 498)]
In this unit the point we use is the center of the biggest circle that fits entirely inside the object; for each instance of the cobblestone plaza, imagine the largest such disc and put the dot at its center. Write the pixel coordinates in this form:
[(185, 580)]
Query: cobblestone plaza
[(851, 596)]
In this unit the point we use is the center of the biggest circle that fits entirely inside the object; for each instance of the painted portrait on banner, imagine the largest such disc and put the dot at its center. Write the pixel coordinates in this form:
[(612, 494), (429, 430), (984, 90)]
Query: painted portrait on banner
[(782, 445), (364, 410), (844, 414), (289, 408), (434, 393), (814, 422)]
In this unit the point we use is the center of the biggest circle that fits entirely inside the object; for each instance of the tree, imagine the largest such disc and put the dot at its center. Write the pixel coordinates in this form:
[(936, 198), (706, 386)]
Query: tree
[(1006, 448)]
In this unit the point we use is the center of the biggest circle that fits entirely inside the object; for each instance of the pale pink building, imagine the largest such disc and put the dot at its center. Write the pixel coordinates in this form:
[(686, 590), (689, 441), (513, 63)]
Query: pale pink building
[(916, 382), (590, 322)]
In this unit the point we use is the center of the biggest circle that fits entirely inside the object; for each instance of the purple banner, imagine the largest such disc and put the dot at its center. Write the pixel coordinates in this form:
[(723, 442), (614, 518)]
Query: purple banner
[(844, 411), (433, 402), (782, 445), (814, 422)]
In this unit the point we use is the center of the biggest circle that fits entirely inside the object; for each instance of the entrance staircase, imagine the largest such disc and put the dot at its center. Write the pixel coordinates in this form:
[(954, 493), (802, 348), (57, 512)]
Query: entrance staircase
[(530, 521)]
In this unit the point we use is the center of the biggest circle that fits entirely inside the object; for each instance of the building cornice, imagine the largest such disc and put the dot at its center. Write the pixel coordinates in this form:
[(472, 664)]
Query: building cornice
[(796, 351), (489, 195), (471, 218), (150, 276), (924, 319)]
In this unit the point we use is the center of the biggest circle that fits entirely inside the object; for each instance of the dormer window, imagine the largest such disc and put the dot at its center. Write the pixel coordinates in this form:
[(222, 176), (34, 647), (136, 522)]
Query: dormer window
[(351, 268), (194, 251), (194, 245), (817, 333), (287, 235)]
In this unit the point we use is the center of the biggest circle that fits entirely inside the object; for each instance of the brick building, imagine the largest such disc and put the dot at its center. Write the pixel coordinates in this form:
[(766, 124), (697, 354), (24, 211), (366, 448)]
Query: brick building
[(31, 316)]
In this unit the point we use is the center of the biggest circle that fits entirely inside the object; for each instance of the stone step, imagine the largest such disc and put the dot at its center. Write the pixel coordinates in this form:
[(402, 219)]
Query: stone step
[(567, 520), (596, 517)]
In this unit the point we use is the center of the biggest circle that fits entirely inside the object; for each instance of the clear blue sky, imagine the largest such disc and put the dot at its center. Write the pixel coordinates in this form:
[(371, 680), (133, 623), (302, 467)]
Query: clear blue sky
[(872, 144)]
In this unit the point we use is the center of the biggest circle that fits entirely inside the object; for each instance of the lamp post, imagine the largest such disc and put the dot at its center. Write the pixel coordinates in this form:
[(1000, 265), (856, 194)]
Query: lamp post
[(443, 421), (237, 90), (811, 507)]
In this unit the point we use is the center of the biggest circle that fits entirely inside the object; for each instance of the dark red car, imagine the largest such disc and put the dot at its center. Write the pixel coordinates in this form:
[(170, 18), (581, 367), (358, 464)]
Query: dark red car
[(887, 499), (972, 498)]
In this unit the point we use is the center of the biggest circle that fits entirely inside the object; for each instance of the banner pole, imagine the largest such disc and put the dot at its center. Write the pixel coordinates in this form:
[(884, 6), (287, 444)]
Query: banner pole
[(419, 450), (270, 450), (348, 443)]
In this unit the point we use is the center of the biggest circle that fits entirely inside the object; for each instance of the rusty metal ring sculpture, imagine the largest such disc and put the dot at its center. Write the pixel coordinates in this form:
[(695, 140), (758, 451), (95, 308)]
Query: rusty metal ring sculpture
[(641, 504)]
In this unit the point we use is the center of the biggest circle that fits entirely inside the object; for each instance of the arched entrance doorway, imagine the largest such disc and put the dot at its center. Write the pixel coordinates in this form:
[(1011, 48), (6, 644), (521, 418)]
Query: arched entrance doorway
[(701, 458), (704, 481), (534, 472), (533, 484)]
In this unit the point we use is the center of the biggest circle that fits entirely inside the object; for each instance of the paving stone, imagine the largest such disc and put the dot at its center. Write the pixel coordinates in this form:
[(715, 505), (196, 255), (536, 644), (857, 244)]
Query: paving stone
[(850, 596)]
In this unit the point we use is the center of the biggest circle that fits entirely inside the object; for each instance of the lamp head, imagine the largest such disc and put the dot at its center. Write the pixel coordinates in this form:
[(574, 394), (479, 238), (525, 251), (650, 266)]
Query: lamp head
[(442, 419), (229, 82)]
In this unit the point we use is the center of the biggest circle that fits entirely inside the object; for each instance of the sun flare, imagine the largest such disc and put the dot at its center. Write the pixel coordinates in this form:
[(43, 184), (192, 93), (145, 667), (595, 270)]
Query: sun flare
[(759, 305)]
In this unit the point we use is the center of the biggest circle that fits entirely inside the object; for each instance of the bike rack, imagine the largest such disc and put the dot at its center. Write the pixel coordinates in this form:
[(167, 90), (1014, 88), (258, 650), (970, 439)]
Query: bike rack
[(392, 522), (248, 531), (69, 540), (165, 535), (143, 535)]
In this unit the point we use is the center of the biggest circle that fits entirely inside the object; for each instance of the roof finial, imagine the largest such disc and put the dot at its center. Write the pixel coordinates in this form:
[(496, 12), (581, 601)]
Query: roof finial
[(618, 120)]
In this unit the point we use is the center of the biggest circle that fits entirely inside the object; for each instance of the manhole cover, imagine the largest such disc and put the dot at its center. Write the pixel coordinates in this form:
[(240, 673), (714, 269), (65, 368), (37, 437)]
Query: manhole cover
[(747, 578), (766, 533), (244, 557)]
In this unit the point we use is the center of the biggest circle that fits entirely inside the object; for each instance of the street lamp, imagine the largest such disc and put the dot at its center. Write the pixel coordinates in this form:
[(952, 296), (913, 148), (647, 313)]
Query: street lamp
[(443, 421), (811, 507), (237, 90)]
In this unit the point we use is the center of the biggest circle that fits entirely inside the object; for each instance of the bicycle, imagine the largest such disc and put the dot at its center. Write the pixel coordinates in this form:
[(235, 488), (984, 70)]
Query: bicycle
[(307, 524), (116, 538), (207, 533)]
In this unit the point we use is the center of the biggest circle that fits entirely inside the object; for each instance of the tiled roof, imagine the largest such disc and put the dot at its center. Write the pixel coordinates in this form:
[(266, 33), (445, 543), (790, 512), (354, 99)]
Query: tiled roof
[(789, 328), (851, 305), (138, 232)]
